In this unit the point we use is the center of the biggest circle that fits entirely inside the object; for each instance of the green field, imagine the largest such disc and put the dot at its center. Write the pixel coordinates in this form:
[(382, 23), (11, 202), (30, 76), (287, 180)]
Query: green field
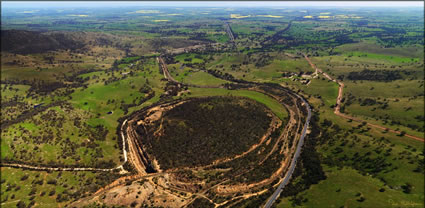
[(395, 59), (189, 58), (48, 189), (192, 76), (347, 188), (271, 103)]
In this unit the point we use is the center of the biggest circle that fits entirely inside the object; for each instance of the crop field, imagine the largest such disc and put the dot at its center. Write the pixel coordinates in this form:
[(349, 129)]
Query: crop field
[(145, 106)]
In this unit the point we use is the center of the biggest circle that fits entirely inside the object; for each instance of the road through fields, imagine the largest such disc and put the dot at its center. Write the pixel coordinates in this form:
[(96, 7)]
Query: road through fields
[(338, 104), (288, 175)]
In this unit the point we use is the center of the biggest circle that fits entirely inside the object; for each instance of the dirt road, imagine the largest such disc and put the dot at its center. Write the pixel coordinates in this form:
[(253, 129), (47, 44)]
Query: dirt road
[(165, 71), (229, 32), (43, 168), (338, 104)]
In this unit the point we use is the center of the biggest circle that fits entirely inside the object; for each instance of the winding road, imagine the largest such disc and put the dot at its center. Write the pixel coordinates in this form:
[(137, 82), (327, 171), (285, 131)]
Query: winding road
[(338, 104), (297, 154)]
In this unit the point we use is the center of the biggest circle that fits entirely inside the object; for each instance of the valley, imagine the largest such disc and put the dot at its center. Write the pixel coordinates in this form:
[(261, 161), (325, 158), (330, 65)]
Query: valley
[(212, 107)]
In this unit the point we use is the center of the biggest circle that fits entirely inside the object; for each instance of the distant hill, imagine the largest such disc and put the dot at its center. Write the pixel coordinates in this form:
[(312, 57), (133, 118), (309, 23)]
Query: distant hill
[(27, 42)]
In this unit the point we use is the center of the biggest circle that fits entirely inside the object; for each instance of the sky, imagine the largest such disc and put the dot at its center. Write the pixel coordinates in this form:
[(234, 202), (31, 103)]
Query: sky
[(45, 4)]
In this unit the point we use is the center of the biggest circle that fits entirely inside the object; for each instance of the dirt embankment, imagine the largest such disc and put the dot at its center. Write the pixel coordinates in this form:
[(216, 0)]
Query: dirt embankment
[(294, 124), (151, 190)]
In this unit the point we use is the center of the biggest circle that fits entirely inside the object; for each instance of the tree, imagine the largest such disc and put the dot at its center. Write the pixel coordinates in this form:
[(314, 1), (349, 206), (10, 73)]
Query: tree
[(407, 188), (23, 178), (361, 199), (21, 204)]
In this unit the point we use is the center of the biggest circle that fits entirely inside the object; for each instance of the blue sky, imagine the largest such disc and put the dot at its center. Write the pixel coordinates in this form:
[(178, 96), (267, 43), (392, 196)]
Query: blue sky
[(44, 4)]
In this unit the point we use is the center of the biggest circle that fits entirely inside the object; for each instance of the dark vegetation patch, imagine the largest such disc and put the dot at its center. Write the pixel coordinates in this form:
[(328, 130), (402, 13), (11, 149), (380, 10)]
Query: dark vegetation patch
[(277, 36), (376, 75), (309, 168), (28, 42), (205, 129), (246, 169), (28, 114), (201, 202), (172, 42)]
